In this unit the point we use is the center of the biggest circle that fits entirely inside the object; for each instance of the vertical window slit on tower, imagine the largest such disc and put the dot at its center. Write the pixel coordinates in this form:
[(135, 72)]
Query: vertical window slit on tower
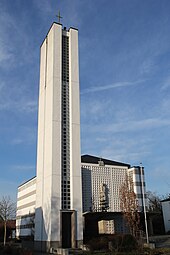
[(65, 125)]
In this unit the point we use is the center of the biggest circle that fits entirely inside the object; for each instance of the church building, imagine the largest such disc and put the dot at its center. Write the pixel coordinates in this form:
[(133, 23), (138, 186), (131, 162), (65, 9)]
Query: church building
[(50, 206)]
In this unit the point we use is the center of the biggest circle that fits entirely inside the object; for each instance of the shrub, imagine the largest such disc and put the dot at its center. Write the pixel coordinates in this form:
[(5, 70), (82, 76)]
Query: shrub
[(129, 243), (113, 243), (98, 243), (159, 251), (122, 243)]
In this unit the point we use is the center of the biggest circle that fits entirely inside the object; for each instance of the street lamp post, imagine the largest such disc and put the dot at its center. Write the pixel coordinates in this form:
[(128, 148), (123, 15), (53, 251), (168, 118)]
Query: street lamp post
[(144, 204)]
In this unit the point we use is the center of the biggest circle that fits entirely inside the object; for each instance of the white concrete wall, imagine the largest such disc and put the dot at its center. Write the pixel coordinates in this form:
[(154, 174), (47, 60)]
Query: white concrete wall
[(40, 142), (75, 155), (166, 215), (48, 199), (112, 176), (56, 134), (26, 198)]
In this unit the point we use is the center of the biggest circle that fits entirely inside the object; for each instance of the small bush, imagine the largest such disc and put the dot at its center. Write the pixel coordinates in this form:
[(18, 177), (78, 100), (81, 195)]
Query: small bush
[(129, 243), (117, 243), (159, 251), (123, 243), (98, 243), (156, 251)]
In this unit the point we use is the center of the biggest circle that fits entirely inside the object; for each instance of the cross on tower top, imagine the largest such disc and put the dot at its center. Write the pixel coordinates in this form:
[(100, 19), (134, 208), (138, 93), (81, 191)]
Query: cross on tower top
[(59, 17)]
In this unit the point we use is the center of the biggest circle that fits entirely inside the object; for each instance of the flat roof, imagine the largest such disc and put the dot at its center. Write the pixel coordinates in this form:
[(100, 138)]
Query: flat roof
[(63, 28), (95, 160), (31, 179)]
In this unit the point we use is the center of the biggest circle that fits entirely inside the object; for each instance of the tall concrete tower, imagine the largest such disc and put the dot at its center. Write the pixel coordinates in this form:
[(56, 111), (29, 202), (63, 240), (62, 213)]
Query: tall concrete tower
[(58, 215)]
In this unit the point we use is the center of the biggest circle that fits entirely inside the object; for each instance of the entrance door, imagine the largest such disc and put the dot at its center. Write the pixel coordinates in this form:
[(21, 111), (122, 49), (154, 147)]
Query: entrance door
[(66, 229)]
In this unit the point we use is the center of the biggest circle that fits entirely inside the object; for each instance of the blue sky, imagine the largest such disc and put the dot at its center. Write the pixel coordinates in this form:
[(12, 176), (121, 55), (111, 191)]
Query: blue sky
[(124, 83)]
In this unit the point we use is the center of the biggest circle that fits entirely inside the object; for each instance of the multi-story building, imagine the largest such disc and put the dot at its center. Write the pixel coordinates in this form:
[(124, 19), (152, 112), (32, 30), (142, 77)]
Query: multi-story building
[(138, 177), (102, 179), (99, 173), (26, 201)]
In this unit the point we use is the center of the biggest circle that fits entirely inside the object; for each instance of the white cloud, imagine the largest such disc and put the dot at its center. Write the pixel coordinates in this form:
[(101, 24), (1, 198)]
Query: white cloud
[(93, 108), (27, 106), (111, 86), (129, 126), (126, 141), (147, 66), (127, 149), (7, 24), (132, 156), (15, 41), (130, 149)]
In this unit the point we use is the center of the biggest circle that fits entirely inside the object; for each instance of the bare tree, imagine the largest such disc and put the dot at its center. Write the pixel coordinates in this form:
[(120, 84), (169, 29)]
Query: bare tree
[(154, 201), (129, 205), (7, 212)]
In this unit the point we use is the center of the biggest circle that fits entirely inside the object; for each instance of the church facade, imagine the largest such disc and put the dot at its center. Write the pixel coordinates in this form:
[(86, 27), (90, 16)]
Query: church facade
[(50, 206)]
